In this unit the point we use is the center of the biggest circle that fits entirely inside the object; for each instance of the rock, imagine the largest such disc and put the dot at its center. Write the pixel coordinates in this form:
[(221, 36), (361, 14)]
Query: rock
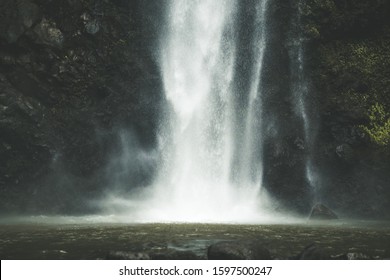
[(55, 82), (312, 252), (54, 254), (126, 255), (47, 33), (321, 212), (345, 152), (238, 250), (16, 17), (92, 26), (173, 255), (352, 256), (299, 143)]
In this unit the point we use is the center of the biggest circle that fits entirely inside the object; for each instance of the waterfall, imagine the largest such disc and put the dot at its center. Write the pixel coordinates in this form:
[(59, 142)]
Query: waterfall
[(228, 114), (250, 169), (301, 95), (211, 169)]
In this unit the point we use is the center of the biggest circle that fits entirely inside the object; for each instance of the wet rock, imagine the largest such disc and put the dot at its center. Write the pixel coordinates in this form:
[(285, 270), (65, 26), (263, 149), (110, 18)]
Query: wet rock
[(126, 255), (321, 212), (358, 256), (16, 17), (352, 256), (92, 26), (299, 143), (238, 250), (312, 252), (54, 254), (345, 152), (47, 33), (173, 255), (58, 89)]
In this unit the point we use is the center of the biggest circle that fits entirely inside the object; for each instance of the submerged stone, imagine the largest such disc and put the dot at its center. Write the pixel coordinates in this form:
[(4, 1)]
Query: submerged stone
[(92, 27), (238, 250), (352, 256), (173, 255), (126, 255), (313, 252), (47, 33)]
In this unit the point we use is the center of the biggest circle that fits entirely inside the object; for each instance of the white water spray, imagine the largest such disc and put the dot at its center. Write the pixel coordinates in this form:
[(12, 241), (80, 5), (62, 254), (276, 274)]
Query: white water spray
[(197, 63), (213, 130), (252, 170)]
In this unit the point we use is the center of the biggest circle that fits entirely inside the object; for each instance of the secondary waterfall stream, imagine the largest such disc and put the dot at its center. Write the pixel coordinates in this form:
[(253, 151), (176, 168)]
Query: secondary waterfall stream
[(301, 92)]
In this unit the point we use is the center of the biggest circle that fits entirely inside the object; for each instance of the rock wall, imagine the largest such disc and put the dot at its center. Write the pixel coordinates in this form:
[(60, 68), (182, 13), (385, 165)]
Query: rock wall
[(72, 73), (348, 55)]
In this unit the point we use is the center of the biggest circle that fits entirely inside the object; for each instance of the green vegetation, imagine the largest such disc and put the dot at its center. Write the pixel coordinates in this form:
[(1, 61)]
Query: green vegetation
[(379, 127), (359, 72), (350, 45)]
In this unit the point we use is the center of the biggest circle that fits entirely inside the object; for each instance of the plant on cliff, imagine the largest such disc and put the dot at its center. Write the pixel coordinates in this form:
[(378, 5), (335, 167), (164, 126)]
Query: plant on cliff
[(379, 127)]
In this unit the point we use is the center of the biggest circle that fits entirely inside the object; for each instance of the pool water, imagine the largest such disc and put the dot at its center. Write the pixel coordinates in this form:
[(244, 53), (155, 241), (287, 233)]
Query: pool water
[(94, 241)]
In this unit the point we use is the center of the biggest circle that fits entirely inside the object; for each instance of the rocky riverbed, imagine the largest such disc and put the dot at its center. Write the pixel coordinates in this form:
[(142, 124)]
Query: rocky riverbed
[(308, 240)]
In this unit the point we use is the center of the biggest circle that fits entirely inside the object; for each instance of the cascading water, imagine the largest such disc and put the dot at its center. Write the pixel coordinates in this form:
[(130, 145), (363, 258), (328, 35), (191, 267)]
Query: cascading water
[(250, 169), (198, 180), (301, 91), (222, 107)]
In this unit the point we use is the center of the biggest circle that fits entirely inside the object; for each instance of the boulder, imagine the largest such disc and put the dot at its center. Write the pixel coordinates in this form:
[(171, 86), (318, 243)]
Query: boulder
[(127, 255), (321, 212), (47, 33), (352, 256), (171, 254), (238, 250), (313, 252), (92, 26)]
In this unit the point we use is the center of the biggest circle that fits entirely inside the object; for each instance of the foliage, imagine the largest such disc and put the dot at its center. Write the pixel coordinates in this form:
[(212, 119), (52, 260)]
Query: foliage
[(379, 127), (358, 73), (350, 61)]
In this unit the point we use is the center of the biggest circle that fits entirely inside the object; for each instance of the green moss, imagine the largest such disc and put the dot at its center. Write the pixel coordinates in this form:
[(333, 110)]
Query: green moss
[(350, 62), (355, 74), (379, 126)]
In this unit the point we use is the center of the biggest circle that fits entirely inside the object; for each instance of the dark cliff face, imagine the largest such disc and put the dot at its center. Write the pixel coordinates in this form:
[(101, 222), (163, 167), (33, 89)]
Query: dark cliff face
[(72, 74), (348, 57), (284, 144)]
